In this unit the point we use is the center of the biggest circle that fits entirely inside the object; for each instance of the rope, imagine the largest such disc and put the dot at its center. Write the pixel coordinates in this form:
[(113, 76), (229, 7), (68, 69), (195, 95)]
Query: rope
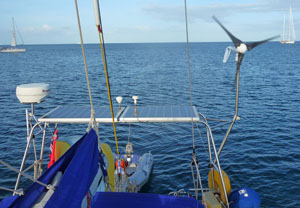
[(199, 179), (190, 74), (194, 182), (102, 45), (128, 132), (26, 176), (203, 144), (92, 123)]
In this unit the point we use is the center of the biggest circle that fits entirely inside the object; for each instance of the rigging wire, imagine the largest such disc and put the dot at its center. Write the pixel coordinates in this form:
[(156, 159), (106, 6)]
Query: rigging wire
[(6, 189), (19, 34), (93, 122), (103, 52), (194, 161), (189, 69), (203, 143)]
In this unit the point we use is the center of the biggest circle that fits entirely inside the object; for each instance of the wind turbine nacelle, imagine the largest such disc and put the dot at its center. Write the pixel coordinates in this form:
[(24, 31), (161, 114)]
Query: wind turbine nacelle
[(242, 48)]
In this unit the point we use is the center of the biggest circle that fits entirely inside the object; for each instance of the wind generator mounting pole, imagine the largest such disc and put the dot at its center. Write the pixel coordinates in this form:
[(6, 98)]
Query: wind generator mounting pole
[(239, 57), (240, 48)]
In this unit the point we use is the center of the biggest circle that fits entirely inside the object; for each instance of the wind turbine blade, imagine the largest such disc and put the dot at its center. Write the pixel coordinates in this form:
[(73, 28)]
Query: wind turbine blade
[(237, 42), (250, 46)]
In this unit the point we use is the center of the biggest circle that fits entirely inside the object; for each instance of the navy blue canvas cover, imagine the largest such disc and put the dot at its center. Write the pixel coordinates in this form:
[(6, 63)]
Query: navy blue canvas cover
[(79, 165), (138, 200), (244, 198)]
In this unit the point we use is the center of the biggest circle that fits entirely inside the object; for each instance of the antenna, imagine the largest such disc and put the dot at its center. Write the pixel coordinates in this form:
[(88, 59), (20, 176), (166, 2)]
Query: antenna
[(240, 48), (135, 98)]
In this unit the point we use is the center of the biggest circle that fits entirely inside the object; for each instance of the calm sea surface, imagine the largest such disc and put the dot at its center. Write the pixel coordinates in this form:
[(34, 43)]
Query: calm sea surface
[(262, 152)]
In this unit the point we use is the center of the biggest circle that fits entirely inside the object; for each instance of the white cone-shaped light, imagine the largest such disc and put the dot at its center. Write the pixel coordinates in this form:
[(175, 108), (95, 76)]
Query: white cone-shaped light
[(119, 99)]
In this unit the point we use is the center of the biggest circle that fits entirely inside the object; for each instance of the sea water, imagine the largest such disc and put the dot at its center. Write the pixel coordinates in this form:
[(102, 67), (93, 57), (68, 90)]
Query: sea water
[(262, 152)]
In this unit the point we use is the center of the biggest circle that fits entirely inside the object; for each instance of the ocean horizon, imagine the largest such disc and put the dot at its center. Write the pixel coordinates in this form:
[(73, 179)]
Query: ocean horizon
[(261, 152)]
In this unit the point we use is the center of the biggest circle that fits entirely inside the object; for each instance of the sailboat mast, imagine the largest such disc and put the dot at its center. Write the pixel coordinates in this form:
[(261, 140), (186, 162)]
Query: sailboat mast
[(288, 33), (283, 31), (13, 41), (291, 27)]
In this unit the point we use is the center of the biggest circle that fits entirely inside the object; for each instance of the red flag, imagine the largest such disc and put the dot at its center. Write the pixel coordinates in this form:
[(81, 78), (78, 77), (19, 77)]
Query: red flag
[(99, 28), (52, 148)]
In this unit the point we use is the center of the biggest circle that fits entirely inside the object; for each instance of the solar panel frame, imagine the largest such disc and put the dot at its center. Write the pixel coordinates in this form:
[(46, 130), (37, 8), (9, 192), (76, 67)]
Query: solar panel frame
[(129, 114), (80, 114), (142, 114)]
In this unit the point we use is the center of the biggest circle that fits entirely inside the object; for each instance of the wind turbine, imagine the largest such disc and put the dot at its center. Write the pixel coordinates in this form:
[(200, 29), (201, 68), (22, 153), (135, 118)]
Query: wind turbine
[(240, 48)]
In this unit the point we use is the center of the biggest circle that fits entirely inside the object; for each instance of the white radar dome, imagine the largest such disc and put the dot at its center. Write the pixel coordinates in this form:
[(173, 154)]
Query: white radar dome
[(32, 93)]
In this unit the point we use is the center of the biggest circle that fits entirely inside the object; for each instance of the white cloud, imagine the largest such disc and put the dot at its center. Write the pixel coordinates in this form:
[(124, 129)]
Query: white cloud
[(46, 28), (43, 28), (48, 34), (220, 9)]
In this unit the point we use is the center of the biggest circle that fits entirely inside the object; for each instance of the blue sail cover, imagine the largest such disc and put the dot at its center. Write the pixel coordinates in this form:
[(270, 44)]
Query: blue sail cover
[(79, 166), (138, 200)]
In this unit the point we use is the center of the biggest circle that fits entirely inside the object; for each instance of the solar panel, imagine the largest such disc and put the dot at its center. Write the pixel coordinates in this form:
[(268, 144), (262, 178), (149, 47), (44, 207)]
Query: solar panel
[(130, 114), (80, 114), (159, 114)]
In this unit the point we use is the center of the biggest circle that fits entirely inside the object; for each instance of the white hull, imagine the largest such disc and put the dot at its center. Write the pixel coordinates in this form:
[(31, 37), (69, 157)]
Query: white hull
[(12, 50), (135, 175), (13, 44), (141, 176), (287, 42)]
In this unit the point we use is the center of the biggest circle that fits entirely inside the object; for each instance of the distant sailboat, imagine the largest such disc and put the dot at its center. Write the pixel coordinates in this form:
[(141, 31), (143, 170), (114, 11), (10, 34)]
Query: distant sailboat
[(288, 34), (13, 43)]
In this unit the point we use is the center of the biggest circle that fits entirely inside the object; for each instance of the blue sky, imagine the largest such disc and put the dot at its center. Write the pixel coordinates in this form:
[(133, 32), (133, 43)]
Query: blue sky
[(54, 21)]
